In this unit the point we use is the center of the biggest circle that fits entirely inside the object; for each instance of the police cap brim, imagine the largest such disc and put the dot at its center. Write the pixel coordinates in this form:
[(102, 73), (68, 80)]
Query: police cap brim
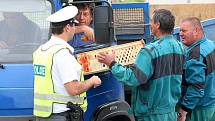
[(64, 14)]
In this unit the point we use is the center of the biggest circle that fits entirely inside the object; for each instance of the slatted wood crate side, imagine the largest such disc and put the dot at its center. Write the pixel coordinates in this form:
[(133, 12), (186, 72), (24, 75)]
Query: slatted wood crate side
[(125, 55)]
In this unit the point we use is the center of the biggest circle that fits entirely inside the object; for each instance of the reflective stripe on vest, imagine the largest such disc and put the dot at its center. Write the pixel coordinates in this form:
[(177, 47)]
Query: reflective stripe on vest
[(42, 108), (59, 98)]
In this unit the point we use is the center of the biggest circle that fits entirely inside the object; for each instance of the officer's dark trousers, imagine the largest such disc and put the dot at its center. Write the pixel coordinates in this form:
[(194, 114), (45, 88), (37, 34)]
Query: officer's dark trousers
[(53, 117)]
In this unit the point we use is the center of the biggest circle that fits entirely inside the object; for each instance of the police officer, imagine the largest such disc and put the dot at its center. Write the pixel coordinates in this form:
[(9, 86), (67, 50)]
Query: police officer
[(58, 76), (198, 98), (156, 75)]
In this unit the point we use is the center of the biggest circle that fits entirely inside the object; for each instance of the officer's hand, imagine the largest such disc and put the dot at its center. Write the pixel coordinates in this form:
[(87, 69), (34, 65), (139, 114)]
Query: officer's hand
[(96, 81), (106, 58)]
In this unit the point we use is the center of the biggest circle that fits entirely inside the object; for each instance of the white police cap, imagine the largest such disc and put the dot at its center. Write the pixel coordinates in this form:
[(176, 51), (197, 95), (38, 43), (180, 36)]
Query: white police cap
[(66, 13)]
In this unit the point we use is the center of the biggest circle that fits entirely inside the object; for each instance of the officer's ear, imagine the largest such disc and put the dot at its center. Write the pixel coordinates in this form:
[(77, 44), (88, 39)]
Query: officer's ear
[(68, 28)]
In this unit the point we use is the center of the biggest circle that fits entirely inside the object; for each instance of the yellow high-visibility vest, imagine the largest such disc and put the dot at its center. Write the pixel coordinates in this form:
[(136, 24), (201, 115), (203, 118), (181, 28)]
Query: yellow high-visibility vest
[(44, 94)]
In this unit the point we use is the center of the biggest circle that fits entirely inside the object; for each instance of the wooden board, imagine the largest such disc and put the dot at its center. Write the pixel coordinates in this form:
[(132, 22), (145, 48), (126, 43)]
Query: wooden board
[(181, 11)]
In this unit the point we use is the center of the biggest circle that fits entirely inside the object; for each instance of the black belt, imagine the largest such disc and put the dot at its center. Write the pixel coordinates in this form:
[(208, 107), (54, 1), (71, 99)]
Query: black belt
[(69, 116), (65, 113), (74, 114)]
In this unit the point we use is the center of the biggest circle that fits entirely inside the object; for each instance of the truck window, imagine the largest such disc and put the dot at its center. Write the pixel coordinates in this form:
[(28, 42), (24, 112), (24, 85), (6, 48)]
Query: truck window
[(22, 32)]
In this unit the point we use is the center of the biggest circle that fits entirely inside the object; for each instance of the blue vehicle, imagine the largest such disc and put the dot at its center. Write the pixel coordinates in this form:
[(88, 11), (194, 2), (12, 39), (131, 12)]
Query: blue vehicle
[(16, 70)]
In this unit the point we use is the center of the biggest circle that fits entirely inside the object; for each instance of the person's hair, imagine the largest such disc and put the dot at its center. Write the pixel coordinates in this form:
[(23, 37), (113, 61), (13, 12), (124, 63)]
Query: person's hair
[(166, 20), (16, 15), (57, 28), (196, 23), (84, 6)]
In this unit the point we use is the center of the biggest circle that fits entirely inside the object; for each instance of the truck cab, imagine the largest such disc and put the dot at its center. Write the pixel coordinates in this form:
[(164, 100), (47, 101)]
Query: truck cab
[(23, 29)]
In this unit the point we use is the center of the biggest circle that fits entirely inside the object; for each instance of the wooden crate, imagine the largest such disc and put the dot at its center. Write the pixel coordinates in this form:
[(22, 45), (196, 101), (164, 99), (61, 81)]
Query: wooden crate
[(125, 54)]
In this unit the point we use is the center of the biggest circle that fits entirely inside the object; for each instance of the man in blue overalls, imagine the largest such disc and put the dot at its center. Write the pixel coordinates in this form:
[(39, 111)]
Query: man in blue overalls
[(84, 34)]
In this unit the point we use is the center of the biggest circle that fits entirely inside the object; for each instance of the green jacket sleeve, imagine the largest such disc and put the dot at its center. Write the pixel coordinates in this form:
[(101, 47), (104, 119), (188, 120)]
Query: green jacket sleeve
[(137, 73), (194, 83)]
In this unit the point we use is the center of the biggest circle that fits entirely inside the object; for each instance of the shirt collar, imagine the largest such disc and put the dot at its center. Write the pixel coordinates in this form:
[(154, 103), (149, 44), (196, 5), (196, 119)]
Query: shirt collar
[(154, 38), (57, 40), (196, 43), (165, 37)]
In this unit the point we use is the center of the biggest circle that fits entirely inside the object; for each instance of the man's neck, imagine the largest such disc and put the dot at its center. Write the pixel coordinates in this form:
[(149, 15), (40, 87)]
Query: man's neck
[(61, 36), (159, 34), (200, 35)]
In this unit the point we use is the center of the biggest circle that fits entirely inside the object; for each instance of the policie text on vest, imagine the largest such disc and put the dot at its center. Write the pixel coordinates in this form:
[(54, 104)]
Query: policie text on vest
[(39, 70)]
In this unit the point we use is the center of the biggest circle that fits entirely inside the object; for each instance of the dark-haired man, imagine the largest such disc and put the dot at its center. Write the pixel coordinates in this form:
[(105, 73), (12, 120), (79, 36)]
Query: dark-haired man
[(156, 75), (17, 29), (84, 33)]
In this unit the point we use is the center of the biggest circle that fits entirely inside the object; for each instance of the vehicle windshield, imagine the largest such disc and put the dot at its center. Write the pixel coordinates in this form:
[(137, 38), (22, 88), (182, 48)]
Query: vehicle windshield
[(23, 29)]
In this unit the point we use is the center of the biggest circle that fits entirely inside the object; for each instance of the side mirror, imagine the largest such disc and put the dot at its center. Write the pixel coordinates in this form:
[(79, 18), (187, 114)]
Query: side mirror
[(103, 24)]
